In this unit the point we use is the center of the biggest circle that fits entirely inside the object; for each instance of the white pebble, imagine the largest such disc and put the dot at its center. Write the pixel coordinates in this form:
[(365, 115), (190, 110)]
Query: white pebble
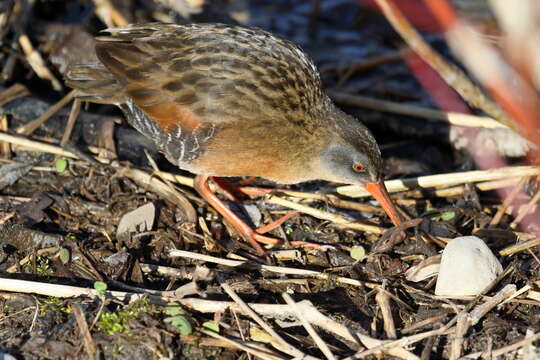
[(467, 267)]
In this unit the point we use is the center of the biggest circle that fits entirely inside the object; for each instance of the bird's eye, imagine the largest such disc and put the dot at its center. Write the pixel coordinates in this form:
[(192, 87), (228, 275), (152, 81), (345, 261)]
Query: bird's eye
[(358, 167)]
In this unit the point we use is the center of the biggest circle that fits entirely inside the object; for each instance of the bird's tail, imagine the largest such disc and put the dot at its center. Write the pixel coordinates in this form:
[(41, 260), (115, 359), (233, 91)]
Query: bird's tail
[(95, 83)]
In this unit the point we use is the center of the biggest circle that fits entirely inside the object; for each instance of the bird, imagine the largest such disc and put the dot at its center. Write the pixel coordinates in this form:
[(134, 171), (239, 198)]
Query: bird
[(230, 101)]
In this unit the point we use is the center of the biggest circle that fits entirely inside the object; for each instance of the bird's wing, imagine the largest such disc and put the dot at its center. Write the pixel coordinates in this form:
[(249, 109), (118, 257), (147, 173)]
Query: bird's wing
[(194, 74)]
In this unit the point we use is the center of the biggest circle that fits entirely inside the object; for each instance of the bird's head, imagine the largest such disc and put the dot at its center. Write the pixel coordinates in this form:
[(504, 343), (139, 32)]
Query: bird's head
[(353, 157)]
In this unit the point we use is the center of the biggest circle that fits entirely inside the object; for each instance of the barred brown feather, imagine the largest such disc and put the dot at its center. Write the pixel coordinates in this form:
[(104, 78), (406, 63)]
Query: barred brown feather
[(224, 100)]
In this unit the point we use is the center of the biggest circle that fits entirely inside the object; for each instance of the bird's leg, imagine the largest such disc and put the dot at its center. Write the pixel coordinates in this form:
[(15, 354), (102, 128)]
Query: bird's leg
[(250, 180), (232, 190), (226, 188), (274, 224), (201, 185)]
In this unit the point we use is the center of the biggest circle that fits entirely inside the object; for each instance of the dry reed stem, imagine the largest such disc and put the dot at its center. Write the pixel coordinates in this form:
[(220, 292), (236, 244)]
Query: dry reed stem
[(12, 93), (300, 315), (454, 77), (509, 200), (505, 349), (284, 346), (324, 215), (453, 118), (366, 64), (189, 210), (263, 354), (36, 62), (487, 64), (383, 300), (445, 180), (36, 145), (30, 127), (110, 16), (88, 342), (514, 249), (5, 147), (157, 186), (525, 210), (73, 114), (63, 291), (271, 268)]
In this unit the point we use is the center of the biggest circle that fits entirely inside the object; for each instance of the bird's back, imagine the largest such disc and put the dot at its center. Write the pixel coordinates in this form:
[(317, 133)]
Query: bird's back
[(183, 84)]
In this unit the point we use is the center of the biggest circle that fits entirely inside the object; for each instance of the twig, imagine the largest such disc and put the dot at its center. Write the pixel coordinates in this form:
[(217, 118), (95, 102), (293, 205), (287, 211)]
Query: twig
[(240, 345), (275, 269), (36, 145), (319, 214), (462, 326), (108, 14), (311, 331), (73, 114), (36, 62), (525, 210), (449, 179), (509, 200), (35, 317), (30, 127), (512, 91), (5, 148), (460, 189), (450, 73), (383, 300), (185, 272), (505, 349), (13, 92), (181, 200), (312, 315), (83, 329), (284, 346), (453, 118), (511, 250)]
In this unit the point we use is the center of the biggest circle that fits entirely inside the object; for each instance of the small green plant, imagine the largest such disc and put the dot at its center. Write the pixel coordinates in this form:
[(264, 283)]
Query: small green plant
[(100, 287), (43, 266), (211, 325), (444, 216), (64, 255), (115, 322), (112, 323), (178, 319), (358, 253), (61, 164), (54, 304)]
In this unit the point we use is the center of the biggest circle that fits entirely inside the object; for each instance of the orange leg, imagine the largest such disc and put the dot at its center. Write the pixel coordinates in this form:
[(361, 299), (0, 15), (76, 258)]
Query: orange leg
[(226, 188), (274, 224), (201, 185)]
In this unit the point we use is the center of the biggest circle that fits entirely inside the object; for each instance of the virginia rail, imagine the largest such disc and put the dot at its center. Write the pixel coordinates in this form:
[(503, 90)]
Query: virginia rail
[(221, 100)]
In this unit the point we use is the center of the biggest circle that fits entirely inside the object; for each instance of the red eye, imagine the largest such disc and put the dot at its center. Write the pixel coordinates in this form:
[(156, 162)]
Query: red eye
[(358, 167)]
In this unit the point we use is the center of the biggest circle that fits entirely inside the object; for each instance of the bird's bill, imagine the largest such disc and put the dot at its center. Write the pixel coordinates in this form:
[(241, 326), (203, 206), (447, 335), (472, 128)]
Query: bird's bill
[(379, 192)]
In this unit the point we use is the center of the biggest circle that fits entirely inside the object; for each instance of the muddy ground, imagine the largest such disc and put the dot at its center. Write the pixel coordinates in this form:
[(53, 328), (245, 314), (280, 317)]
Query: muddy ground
[(61, 213)]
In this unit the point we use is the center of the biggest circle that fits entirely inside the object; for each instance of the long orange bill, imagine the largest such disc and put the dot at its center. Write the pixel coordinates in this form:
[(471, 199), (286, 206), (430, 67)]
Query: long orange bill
[(379, 192)]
